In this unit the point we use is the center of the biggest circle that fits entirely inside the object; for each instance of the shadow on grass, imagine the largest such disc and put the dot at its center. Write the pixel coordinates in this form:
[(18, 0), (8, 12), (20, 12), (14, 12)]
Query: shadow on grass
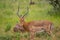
[(54, 12)]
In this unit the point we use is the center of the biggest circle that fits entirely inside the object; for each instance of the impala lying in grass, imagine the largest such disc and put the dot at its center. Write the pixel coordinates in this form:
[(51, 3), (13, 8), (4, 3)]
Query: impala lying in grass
[(33, 26)]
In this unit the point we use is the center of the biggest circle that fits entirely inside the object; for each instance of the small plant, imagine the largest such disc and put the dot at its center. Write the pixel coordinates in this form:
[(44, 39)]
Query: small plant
[(8, 27), (17, 36), (6, 37)]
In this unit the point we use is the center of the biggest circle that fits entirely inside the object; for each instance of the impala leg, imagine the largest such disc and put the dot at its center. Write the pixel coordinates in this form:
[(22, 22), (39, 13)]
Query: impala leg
[(32, 35), (52, 35), (49, 30)]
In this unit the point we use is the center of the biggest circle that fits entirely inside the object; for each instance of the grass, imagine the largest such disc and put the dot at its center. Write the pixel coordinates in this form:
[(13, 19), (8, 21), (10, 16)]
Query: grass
[(38, 11)]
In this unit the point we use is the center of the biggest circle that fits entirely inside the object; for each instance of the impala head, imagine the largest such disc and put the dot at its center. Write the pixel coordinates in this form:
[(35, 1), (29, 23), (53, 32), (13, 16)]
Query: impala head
[(19, 27), (21, 17)]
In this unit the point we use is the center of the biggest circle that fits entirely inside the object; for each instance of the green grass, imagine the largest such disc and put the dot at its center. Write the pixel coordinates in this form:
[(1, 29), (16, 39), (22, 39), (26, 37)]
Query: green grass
[(38, 11)]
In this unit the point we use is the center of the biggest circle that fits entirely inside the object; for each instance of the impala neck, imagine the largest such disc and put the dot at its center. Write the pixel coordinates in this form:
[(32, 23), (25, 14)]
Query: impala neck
[(24, 23)]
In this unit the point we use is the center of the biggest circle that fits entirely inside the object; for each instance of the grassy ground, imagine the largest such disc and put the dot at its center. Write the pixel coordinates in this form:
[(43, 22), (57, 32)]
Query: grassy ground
[(38, 11)]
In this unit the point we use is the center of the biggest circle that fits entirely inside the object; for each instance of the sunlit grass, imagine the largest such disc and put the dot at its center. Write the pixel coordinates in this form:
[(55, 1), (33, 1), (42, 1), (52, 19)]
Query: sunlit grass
[(39, 11)]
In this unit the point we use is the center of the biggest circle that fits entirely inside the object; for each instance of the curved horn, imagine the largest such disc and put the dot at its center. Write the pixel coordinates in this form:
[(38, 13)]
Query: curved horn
[(26, 12), (18, 11)]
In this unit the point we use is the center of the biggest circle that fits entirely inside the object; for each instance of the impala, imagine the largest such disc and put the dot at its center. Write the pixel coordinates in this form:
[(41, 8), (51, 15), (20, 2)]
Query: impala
[(33, 26)]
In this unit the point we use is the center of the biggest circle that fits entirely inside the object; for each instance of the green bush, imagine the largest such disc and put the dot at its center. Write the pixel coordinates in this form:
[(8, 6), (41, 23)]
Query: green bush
[(8, 27)]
